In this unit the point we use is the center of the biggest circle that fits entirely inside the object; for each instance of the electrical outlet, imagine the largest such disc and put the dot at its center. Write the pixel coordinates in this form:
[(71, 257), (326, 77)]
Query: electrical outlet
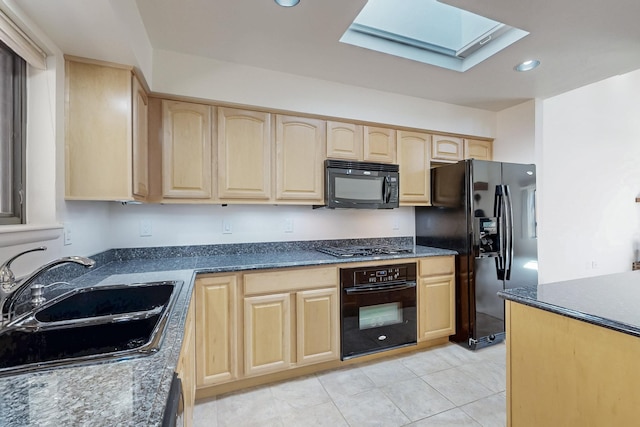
[(66, 231), (288, 225), (227, 227), (146, 228)]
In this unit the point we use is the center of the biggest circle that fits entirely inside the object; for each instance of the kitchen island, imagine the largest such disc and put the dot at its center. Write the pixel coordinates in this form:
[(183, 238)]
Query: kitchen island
[(133, 391), (572, 352)]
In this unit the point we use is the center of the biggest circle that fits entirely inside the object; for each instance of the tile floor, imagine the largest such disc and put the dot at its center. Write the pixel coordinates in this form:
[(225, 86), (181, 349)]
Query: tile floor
[(443, 386)]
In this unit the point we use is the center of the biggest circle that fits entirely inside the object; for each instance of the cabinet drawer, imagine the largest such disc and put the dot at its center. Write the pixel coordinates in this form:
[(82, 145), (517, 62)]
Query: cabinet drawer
[(437, 266), (288, 280)]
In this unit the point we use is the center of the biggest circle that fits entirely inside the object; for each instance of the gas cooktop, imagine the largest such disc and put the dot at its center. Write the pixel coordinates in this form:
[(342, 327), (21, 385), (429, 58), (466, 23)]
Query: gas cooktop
[(369, 250)]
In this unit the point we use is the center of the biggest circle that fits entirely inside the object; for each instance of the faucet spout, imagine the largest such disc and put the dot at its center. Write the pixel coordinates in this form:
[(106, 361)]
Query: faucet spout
[(11, 288)]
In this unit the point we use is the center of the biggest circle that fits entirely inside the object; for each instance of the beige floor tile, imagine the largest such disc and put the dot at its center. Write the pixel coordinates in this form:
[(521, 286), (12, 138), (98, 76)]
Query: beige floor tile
[(490, 374), (387, 372), (456, 355), (425, 362), (456, 385), (416, 399), (490, 411), (452, 418), (323, 415), (298, 393), (205, 413), (251, 407), (371, 409), (345, 382)]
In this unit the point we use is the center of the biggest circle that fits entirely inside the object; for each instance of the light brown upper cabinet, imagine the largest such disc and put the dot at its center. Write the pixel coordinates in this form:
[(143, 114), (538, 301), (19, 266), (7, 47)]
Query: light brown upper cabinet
[(186, 150), (344, 140), (244, 155), (478, 149), (105, 132), (446, 149), (379, 145), (415, 175), (300, 154)]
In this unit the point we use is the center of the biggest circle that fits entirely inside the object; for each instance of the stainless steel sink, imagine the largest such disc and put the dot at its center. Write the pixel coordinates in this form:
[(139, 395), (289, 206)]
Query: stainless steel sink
[(89, 324)]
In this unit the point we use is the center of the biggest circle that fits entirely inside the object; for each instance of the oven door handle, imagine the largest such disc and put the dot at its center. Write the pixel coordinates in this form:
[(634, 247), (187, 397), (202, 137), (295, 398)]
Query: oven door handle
[(383, 288)]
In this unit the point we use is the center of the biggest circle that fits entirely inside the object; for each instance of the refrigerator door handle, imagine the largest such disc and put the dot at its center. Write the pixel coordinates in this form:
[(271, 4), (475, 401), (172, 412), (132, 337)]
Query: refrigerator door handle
[(508, 231), (499, 212)]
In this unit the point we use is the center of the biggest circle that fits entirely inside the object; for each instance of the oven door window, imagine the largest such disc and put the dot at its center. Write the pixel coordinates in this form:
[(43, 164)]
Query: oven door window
[(375, 316)]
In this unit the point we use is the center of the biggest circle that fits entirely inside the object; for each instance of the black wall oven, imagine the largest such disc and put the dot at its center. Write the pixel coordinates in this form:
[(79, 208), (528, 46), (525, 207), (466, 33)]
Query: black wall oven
[(378, 308)]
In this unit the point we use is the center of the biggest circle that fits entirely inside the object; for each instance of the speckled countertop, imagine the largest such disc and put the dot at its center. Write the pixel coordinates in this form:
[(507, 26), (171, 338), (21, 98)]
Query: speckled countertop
[(609, 301), (133, 392)]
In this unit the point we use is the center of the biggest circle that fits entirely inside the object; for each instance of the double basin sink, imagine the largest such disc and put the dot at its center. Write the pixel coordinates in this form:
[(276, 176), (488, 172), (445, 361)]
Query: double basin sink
[(88, 325)]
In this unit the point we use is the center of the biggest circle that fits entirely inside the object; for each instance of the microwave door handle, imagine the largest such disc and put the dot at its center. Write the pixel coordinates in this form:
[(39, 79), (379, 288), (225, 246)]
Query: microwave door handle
[(386, 189)]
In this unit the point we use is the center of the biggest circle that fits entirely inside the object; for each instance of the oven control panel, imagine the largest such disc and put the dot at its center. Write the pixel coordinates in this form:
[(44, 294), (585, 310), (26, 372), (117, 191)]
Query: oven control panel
[(378, 274)]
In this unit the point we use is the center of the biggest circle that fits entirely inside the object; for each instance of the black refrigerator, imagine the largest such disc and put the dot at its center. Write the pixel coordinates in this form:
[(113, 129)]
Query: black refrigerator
[(486, 211)]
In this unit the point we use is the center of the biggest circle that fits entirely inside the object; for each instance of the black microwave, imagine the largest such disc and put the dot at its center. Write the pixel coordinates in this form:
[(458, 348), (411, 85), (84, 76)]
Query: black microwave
[(361, 185)]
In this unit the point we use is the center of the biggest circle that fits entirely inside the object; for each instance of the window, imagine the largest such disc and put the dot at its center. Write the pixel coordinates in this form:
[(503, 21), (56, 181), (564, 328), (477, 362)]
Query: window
[(429, 31), (12, 136)]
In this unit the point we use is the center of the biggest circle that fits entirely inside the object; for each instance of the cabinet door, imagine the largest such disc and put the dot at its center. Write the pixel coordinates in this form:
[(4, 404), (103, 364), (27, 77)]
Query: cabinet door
[(317, 326), (140, 141), (446, 148), (379, 145), (216, 330), (344, 141), (267, 328), (244, 154), (478, 149), (300, 151), (186, 150), (98, 132), (436, 299), (415, 174)]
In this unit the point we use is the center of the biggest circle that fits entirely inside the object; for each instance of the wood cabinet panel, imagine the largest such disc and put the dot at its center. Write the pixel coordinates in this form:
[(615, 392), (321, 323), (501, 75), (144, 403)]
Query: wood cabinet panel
[(317, 326), (216, 329), (436, 266), (267, 329), (344, 140), (413, 161), (446, 148), (300, 154), (244, 154), (98, 132), (186, 150), (379, 144), (140, 140), (436, 301), (478, 149), (288, 280)]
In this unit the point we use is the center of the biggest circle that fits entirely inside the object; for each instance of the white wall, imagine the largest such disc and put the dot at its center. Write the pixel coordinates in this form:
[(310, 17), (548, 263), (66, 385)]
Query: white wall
[(590, 155), (515, 135), (202, 224)]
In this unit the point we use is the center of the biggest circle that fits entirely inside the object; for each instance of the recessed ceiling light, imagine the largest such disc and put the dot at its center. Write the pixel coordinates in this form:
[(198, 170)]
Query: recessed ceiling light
[(527, 65), (287, 3)]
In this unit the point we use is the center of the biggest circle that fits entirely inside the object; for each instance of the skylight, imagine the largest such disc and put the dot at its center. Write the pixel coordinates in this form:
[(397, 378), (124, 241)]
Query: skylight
[(429, 31)]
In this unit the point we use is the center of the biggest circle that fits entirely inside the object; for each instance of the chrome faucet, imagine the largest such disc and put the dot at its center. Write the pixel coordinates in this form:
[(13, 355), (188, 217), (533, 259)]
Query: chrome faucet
[(11, 288)]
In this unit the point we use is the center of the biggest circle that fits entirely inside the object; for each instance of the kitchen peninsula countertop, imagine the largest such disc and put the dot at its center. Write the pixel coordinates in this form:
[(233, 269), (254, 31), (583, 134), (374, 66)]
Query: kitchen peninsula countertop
[(610, 301), (133, 391)]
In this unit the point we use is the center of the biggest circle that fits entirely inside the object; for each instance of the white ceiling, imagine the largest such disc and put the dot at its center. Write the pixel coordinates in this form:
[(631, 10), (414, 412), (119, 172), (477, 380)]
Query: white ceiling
[(578, 42)]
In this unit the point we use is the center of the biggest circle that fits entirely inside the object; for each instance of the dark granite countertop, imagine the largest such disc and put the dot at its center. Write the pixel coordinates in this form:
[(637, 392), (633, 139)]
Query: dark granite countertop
[(610, 301), (133, 392)]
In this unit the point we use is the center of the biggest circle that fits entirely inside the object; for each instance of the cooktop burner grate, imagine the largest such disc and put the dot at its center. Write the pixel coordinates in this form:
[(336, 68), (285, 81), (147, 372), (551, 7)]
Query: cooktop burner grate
[(352, 251)]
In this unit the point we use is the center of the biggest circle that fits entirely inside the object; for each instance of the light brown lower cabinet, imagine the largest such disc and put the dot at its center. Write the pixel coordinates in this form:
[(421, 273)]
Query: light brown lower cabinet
[(318, 331), (216, 329), (436, 298)]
